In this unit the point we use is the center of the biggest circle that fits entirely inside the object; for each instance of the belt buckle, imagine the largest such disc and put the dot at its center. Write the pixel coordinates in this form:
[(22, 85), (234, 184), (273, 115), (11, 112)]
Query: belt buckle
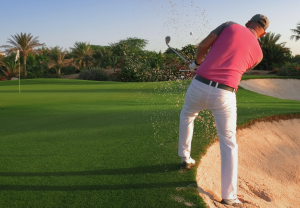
[(213, 84)]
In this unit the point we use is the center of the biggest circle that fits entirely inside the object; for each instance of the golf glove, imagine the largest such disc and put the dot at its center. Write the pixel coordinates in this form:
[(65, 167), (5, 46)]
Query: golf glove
[(193, 66)]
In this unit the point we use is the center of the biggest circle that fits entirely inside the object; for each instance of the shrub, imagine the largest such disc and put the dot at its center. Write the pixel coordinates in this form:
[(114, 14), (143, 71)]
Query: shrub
[(67, 70), (134, 70), (189, 52), (296, 59), (290, 69), (93, 74), (155, 75), (36, 71)]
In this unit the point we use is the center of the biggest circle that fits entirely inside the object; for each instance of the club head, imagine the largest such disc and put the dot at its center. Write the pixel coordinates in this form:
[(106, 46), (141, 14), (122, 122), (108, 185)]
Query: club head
[(168, 39)]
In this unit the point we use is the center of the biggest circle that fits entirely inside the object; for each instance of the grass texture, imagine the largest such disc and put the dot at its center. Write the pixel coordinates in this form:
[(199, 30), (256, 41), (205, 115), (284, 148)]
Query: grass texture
[(75, 143)]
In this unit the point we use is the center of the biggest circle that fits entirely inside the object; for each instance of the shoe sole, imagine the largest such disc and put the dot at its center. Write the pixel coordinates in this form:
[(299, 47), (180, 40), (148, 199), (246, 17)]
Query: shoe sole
[(223, 202), (187, 166)]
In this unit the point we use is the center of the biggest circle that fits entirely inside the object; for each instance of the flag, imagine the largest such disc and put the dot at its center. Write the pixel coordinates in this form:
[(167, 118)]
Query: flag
[(17, 56)]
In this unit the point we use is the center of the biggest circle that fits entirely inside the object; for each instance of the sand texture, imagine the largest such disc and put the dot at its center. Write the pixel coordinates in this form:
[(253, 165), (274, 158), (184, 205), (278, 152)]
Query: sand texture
[(269, 166), (269, 156), (280, 88)]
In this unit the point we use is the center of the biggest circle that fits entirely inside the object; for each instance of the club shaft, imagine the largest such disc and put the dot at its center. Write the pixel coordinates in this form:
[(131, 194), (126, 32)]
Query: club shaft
[(177, 53)]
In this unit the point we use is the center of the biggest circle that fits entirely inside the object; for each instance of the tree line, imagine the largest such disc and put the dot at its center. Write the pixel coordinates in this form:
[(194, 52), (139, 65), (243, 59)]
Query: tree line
[(128, 55)]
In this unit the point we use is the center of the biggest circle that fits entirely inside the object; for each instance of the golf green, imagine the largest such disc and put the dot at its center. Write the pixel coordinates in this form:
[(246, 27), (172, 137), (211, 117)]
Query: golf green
[(74, 143)]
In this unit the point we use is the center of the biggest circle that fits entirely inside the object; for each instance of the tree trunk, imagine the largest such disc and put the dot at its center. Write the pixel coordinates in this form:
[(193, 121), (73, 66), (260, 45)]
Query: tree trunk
[(24, 62), (58, 72)]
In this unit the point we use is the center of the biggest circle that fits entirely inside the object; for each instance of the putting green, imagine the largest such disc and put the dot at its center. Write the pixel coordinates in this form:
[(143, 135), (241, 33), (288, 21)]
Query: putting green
[(73, 143)]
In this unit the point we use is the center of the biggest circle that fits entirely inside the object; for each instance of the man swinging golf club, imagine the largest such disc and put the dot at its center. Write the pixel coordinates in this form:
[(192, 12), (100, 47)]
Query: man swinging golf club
[(234, 50)]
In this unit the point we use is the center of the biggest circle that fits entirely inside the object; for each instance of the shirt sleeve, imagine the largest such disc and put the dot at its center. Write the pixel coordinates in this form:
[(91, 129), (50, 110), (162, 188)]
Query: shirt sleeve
[(219, 29), (261, 58)]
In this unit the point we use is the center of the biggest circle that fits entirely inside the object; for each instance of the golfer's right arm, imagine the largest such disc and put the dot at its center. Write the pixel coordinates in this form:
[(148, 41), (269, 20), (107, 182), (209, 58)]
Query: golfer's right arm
[(256, 63)]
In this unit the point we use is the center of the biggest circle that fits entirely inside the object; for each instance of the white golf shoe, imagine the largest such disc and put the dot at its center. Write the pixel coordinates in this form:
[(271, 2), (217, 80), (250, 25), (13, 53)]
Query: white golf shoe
[(231, 201), (187, 163)]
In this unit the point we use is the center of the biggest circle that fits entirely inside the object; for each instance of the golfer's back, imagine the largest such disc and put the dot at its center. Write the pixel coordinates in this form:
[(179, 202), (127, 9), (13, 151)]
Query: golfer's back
[(235, 50)]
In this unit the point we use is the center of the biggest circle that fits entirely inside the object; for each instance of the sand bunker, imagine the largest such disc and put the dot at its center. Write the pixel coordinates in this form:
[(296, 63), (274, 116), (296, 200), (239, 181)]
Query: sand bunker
[(280, 88), (269, 166), (269, 157)]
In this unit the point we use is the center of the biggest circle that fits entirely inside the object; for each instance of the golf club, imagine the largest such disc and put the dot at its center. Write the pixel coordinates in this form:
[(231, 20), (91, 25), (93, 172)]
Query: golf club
[(168, 39)]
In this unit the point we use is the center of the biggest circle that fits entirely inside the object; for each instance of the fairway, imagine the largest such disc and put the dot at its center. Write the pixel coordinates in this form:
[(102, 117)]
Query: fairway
[(74, 143)]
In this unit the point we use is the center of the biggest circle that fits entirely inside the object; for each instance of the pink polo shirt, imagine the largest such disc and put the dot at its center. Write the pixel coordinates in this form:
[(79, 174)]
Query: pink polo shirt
[(235, 51)]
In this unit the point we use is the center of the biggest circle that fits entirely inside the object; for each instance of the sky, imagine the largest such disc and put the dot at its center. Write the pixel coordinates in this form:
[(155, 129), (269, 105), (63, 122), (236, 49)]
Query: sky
[(63, 22)]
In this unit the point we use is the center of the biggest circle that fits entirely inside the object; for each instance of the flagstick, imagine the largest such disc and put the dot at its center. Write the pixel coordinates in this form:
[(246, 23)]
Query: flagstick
[(16, 59), (19, 77)]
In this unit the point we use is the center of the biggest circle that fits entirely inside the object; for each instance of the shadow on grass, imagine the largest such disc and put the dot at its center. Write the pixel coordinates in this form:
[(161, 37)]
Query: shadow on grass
[(96, 187), (82, 91), (57, 81), (161, 168)]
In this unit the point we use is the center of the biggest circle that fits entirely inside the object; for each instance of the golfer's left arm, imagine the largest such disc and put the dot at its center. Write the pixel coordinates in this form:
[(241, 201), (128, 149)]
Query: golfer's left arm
[(204, 46), (207, 43), (202, 50), (209, 40)]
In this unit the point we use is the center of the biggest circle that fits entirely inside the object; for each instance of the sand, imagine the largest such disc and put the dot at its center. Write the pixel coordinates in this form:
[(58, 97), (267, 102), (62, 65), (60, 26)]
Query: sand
[(269, 158), (280, 88)]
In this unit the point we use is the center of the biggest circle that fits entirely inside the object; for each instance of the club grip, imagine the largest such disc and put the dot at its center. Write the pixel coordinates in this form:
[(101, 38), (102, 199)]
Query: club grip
[(193, 66)]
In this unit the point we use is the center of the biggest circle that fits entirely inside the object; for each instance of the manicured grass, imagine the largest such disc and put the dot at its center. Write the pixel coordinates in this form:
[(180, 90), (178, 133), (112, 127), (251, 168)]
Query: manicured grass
[(245, 77), (73, 143), (253, 105)]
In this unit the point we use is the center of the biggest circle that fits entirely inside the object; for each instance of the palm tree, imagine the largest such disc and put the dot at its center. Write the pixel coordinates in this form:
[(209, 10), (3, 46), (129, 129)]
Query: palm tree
[(297, 32), (25, 43), (102, 55), (274, 53), (57, 59), (1, 60), (270, 39), (83, 54), (12, 68), (114, 60), (1, 57)]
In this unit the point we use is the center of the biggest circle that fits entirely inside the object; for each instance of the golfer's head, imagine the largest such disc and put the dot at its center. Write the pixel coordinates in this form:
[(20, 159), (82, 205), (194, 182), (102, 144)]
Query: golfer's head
[(259, 23)]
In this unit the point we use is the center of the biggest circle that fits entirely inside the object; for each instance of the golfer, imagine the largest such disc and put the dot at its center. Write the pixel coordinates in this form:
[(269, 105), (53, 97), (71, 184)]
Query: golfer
[(234, 50)]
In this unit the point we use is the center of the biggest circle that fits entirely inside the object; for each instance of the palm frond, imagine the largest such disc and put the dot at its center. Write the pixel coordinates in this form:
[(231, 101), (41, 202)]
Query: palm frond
[(297, 33), (296, 37)]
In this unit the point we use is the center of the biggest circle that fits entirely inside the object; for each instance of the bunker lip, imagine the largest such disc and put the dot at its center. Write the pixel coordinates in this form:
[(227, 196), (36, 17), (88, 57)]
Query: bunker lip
[(269, 156), (279, 88)]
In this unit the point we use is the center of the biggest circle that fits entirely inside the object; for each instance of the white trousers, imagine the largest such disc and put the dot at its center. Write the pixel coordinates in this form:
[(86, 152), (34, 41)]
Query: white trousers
[(222, 103)]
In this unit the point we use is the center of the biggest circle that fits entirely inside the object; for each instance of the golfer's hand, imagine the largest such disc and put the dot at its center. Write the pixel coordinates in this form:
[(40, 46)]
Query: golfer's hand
[(192, 65)]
